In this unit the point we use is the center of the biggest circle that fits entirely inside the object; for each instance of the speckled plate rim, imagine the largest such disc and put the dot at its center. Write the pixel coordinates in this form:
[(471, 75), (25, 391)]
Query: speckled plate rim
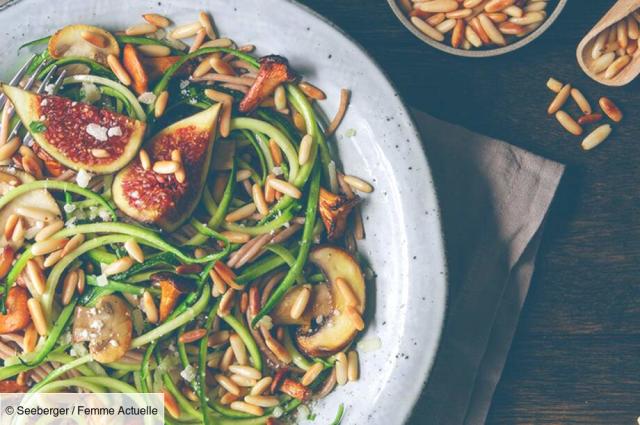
[(397, 10), (415, 308)]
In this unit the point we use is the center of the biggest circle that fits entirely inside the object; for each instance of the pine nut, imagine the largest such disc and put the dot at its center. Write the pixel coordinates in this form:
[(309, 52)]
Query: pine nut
[(246, 371), (269, 193), (241, 213), (69, 285), (48, 231), (513, 11), (312, 91), (616, 66), (202, 68), (226, 302), (97, 40), (17, 237), (280, 98), (36, 277), (599, 44), (32, 166), (603, 62), (596, 137), (581, 101), (141, 29), (145, 162), (568, 123), (154, 50), (529, 18), (497, 5), (165, 167), (52, 259), (7, 255), (239, 349), (560, 99), (241, 406), (300, 303), (258, 199), (10, 225), (185, 31), (205, 21), (311, 374), (554, 85), (341, 366), (272, 344), (622, 35), (632, 28), (30, 339), (148, 306), (305, 149), (355, 317), (353, 370), (491, 30), (134, 250), (536, 6), (437, 6), (198, 40), (161, 104), (276, 152), (589, 119), (347, 293), (228, 384), (459, 14), (37, 316), (227, 359), (358, 184), (73, 243), (171, 405), (446, 26), (157, 20), (218, 283), (262, 401), (498, 18), (192, 336), (218, 338), (472, 36), (510, 28), (9, 149), (470, 4), (219, 42), (285, 188), (121, 265), (243, 174), (228, 398), (427, 29), (243, 381), (118, 69), (99, 153), (261, 386), (81, 281), (610, 109)]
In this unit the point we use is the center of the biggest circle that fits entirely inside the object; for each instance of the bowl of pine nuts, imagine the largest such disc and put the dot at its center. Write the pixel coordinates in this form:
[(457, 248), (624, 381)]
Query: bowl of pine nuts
[(477, 28)]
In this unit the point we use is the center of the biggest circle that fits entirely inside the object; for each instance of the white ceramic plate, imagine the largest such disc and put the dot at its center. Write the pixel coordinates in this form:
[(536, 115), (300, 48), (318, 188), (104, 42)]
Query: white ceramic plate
[(404, 244)]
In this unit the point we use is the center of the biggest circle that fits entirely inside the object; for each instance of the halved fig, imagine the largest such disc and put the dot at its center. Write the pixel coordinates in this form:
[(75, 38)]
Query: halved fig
[(151, 197), (85, 41), (107, 327), (336, 330), (78, 135), (40, 199), (274, 70)]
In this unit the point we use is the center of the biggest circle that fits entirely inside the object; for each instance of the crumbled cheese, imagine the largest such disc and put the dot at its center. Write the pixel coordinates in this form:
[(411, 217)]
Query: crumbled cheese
[(83, 178), (277, 412), (277, 171), (74, 103), (147, 98), (188, 373), (33, 230), (44, 102), (90, 92), (102, 280), (71, 222), (266, 321), (98, 132), (42, 118), (303, 412), (104, 215), (78, 350), (369, 344), (114, 132), (96, 324), (69, 208), (184, 84), (50, 88)]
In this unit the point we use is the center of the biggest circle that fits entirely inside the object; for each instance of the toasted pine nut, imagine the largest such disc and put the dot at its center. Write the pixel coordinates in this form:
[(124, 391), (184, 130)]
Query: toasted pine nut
[(437, 6), (202, 68), (218, 338), (276, 152), (218, 283), (69, 285), (589, 119), (262, 401), (491, 30), (37, 214), (498, 17), (312, 91), (617, 66), (355, 317), (205, 21), (568, 123), (472, 37), (261, 386), (157, 20), (559, 100), (73, 243), (165, 167), (243, 174), (185, 31), (269, 193), (596, 137), (446, 26), (10, 225), (622, 35), (145, 162), (311, 374), (141, 29), (134, 250), (30, 338), (241, 406), (17, 237), (154, 50), (285, 188), (198, 40), (300, 303), (7, 255), (239, 349), (227, 384), (353, 370), (243, 381), (246, 371), (497, 5), (227, 359), (118, 69), (226, 302), (32, 166), (427, 29), (52, 258), (529, 18), (96, 39), (603, 62), (610, 109), (9, 149), (510, 28), (581, 101), (554, 85), (342, 374), (99, 153), (148, 306), (37, 316), (470, 4), (47, 246), (305, 149), (119, 266), (241, 213), (219, 42), (457, 36), (274, 345), (228, 398), (347, 293), (513, 11), (358, 184), (258, 199), (280, 98), (599, 44), (192, 336), (236, 237), (459, 14), (633, 31), (161, 104), (170, 404)]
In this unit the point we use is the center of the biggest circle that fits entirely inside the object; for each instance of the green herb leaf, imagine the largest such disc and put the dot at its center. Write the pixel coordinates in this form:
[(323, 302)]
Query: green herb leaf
[(37, 127)]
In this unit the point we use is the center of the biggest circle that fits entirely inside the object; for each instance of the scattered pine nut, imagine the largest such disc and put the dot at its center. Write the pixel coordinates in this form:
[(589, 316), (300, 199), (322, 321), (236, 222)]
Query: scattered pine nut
[(241, 213), (300, 303), (568, 123), (37, 316), (36, 277), (145, 161), (185, 31), (589, 119), (312, 91), (311, 374), (148, 306), (581, 101), (358, 184), (171, 404), (141, 29), (239, 349), (118, 69), (285, 188), (157, 20), (206, 23), (355, 317), (610, 109), (119, 266), (161, 104), (154, 50), (165, 167), (305, 149), (73, 243), (192, 336), (560, 99), (596, 137), (341, 367), (261, 386), (134, 250), (47, 246), (353, 369), (241, 406)]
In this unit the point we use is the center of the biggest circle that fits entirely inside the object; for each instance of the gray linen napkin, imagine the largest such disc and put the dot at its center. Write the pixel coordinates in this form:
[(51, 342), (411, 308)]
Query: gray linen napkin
[(494, 199)]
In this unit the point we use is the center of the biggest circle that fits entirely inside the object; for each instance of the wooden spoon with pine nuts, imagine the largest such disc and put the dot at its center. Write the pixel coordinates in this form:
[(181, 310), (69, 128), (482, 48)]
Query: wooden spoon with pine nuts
[(609, 53)]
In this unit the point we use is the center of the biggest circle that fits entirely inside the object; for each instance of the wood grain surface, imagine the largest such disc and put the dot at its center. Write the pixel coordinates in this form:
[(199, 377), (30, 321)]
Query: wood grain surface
[(576, 355)]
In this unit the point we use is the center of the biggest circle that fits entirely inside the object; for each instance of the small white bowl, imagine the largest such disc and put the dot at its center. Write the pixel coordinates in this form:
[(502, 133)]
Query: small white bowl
[(478, 53)]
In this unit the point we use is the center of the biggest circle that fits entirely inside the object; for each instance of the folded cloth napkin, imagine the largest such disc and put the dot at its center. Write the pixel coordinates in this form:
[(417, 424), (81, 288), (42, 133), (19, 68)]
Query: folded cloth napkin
[(494, 198)]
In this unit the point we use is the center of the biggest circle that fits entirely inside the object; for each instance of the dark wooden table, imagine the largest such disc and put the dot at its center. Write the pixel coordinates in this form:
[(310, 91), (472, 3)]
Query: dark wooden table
[(576, 355)]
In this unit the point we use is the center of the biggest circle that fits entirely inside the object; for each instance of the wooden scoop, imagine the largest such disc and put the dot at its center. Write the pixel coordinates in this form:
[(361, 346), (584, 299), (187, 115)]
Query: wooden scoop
[(619, 11)]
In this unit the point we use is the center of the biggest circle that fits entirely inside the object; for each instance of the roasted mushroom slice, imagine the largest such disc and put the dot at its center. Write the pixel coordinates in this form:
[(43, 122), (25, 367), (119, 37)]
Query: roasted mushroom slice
[(9, 386), (171, 289), (107, 327), (84, 41), (336, 329), (274, 70), (17, 316), (334, 210)]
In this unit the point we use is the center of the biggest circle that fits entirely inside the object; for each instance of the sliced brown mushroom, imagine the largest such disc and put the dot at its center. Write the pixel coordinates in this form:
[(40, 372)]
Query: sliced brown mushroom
[(107, 327), (334, 210), (274, 70), (171, 289), (17, 317), (84, 41)]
